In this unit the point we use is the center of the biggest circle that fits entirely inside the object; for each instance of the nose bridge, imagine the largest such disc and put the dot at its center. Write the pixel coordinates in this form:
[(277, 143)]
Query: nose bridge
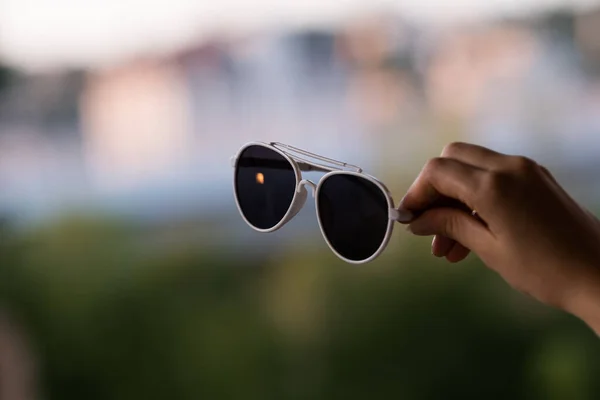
[(306, 182)]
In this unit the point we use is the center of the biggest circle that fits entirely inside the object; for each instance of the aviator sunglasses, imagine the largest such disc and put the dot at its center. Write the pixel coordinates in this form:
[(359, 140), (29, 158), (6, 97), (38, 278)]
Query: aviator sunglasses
[(355, 211)]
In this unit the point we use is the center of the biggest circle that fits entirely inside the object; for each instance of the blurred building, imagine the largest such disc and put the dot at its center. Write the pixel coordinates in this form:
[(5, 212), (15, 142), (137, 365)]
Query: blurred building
[(378, 92), (136, 124), (47, 103), (468, 64), (587, 32), (40, 147), (288, 87), (385, 84)]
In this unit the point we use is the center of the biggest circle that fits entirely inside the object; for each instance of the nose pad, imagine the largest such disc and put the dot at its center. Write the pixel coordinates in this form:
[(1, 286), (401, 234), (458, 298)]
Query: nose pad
[(298, 202), (306, 182)]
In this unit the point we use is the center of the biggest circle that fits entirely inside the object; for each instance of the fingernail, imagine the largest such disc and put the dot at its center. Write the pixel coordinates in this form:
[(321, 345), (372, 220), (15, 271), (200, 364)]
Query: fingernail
[(433, 246), (404, 215)]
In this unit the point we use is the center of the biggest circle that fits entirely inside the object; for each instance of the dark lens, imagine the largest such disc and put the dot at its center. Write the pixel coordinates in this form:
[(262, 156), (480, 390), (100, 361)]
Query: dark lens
[(354, 215), (265, 184)]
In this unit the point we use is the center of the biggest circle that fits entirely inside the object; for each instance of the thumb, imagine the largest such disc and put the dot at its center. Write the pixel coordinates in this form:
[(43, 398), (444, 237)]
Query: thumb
[(452, 223)]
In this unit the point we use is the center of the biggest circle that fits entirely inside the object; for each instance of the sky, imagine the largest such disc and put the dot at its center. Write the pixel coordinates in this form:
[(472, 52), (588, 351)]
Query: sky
[(42, 34)]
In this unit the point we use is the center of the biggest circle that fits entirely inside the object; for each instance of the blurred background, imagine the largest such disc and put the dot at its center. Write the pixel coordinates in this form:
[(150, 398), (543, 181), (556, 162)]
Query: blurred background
[(126, 271)]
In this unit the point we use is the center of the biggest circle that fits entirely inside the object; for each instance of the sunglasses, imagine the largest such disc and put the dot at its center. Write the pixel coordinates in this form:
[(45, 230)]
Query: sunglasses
[(355, 211)]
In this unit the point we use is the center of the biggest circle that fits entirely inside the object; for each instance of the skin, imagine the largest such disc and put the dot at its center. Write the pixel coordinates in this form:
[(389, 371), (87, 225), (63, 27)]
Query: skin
[(526, 227)]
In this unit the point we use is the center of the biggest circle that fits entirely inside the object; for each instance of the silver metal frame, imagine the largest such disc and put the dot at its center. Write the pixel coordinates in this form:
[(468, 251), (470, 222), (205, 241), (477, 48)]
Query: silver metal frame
[(300, 161)]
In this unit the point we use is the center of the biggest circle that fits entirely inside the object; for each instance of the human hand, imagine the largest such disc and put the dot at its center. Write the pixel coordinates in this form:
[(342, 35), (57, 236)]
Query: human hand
[(526, 227)]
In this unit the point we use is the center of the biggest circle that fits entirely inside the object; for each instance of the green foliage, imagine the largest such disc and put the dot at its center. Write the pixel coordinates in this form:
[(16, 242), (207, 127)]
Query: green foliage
[(110, 320)]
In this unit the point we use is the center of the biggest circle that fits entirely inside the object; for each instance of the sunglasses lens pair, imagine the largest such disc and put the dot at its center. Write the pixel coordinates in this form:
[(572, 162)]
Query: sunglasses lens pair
[(352, 210)]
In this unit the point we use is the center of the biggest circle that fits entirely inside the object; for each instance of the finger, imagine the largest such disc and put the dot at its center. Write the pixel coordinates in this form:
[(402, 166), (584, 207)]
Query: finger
[(475, 155), (443, 177), (454, 224), (457, 253), (441, 245)]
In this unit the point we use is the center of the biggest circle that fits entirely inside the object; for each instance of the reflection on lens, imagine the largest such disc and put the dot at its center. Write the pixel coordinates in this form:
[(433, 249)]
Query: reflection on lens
[(353, 212), (265, 184)]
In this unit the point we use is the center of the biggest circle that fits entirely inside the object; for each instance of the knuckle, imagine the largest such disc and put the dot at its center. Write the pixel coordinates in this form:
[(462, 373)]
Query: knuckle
[(434, 164), (452, 148), (517, 171), (496, 183), (522, 165)]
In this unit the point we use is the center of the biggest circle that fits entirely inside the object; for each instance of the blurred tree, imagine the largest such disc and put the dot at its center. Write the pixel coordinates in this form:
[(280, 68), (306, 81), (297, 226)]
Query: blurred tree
[(111, 321)]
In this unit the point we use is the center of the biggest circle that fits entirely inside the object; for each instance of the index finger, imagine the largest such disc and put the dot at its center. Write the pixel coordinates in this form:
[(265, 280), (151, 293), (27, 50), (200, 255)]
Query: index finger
[(443, 177), (473, 154)]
